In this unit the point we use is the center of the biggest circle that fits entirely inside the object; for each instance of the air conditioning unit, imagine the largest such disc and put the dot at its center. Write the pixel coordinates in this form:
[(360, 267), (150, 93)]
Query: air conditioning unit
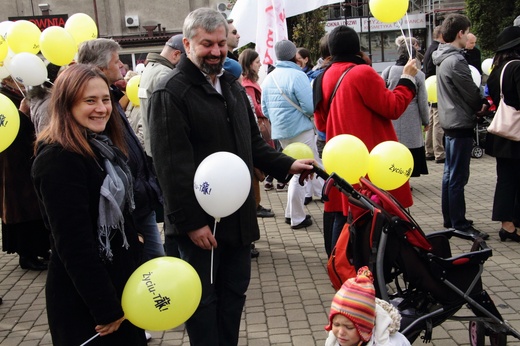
[(224, 8), (132, 21)]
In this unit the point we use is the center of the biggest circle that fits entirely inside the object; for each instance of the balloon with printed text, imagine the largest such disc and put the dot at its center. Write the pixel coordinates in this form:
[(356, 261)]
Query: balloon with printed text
[(486, 66), (57, 45), (298, 151), (388, 11), (9, 122), (347, 156), (222, 183), (4, 49), (390, 165), (82, 27), (161, 294), (23, 36)]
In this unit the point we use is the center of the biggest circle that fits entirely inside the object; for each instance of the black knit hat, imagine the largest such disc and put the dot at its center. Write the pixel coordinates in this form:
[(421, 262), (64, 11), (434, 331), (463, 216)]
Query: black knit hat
[(344, 40), (508, 38)]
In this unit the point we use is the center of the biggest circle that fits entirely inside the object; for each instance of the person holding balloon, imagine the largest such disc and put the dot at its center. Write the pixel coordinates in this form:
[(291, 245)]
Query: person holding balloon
[(200, 113), (104, 54), (459, 101), (85, 191), (362, 107)]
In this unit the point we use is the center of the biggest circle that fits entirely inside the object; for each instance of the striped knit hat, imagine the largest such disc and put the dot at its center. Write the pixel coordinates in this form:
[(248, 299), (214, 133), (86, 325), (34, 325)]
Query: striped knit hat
[(356, 301)]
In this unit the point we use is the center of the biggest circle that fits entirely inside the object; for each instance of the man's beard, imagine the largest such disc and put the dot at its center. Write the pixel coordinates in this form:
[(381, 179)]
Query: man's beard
[(211, 69)]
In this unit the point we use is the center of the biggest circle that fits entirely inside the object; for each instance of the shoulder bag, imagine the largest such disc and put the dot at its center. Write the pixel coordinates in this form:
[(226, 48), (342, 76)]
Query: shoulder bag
[(506, 122)]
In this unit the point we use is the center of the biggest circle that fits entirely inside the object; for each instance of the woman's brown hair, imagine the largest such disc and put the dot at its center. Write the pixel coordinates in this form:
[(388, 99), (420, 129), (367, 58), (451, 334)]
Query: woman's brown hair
[(63, 128), (246, 59)]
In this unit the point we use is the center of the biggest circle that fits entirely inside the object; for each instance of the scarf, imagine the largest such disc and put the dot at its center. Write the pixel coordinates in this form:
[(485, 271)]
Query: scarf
[(116, 193)]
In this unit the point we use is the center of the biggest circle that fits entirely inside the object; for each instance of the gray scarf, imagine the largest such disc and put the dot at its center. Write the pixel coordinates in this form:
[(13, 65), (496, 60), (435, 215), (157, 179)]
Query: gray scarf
[(116, 193)]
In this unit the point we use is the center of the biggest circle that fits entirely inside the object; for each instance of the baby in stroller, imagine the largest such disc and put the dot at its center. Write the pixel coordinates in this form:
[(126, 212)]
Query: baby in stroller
[(357, 317)]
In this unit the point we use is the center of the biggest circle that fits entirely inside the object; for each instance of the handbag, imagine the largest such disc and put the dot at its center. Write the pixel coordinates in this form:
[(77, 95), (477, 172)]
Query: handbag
[(506, 122)]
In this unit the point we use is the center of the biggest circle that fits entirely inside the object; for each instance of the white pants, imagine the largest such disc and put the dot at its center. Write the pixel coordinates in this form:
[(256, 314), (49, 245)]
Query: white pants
[(296, 193)]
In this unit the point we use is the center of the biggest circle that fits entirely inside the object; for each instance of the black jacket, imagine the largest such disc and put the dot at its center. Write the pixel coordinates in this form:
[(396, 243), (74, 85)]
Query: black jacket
[(190, 120)]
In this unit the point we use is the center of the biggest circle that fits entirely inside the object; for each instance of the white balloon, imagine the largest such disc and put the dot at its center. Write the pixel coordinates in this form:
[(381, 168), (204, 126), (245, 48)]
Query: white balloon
[(486, 66), (28, 69), (477, 78), (139, 68), (222, 183), (4, 27)]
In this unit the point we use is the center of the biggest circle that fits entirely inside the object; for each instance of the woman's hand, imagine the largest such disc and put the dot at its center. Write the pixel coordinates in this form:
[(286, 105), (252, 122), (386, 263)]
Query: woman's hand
[(105, 329)]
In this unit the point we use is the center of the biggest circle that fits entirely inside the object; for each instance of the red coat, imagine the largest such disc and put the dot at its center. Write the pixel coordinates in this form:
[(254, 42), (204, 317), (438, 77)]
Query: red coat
[(362, 107)]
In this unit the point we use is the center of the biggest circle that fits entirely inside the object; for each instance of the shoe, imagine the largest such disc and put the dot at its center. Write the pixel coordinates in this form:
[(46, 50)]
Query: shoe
[(307, 200), (430, 158), (440, 161), (263, 212), (280, 187), (148, 336), (268, 186), (504, 235), (288, 220), (305, 223), (31, 263), (254, 251), (469, 221), (473, 232)]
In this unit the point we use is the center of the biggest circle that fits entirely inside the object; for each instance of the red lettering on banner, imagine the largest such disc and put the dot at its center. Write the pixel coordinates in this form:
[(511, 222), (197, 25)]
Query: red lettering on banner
[(269, 44), (43, 23)]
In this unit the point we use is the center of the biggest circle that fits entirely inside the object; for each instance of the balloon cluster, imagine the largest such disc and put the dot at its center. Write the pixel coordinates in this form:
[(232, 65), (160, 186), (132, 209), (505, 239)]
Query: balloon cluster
[(389, 165), (20, 41)]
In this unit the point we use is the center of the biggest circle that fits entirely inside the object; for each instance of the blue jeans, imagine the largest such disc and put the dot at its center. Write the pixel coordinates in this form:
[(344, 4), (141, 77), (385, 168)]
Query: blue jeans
[(147, 226), (455, 177), (217, 319)]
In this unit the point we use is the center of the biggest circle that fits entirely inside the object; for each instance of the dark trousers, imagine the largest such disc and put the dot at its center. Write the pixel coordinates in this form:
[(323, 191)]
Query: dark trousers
[(337, 227), (454, 179), (217, 319), (506, 203)]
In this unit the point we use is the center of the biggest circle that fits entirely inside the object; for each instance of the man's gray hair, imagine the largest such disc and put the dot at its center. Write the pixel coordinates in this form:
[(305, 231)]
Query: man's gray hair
[(98, 52), (206, 18)]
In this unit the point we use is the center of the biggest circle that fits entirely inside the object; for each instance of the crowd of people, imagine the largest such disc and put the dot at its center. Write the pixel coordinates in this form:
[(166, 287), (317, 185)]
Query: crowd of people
[(90, 174)]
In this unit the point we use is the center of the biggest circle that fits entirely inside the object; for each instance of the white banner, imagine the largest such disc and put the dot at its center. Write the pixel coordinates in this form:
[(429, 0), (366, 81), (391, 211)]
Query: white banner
[(271, 28)]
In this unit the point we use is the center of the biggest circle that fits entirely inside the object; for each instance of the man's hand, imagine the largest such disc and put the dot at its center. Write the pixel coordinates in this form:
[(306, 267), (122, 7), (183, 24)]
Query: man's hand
[(483, 111), (203, 238), (299, 166), (411, 68)]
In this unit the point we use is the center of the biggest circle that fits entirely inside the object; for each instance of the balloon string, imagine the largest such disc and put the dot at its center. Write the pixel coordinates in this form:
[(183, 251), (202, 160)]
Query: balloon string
[(212, 250), (89, 340), (17, 85), (405, 43)]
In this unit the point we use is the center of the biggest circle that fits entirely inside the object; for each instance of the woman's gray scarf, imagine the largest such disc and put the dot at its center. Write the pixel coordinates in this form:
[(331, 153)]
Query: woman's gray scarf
[(116, 193)]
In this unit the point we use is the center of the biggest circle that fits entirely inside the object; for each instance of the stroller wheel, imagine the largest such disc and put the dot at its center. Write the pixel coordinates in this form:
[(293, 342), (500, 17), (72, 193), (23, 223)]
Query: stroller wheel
[(498, 339), (477, 333), (477, 152)]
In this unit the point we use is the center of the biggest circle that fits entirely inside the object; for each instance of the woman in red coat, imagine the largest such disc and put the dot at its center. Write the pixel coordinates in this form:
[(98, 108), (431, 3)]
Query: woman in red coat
[(362, 107)]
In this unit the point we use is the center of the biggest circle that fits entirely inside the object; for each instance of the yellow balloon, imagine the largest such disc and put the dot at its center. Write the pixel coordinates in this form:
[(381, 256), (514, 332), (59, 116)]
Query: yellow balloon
[(4, 49), (161, 294), (388, 11), (9, 122), (298, 151), (24, 36), (132, 88), (431, 88), (82, 27), (390, 165), (347, 156), (58, 46)]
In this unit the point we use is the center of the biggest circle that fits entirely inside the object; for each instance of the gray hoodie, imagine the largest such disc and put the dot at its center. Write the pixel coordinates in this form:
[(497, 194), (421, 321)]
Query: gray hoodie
[(458, 96)]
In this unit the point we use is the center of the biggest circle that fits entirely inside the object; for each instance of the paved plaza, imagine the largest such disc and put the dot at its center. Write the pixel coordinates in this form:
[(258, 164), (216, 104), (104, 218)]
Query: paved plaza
[(290, 293)]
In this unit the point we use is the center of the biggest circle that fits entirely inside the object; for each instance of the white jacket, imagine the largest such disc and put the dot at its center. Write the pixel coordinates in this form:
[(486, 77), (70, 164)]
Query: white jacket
[(386, 328)]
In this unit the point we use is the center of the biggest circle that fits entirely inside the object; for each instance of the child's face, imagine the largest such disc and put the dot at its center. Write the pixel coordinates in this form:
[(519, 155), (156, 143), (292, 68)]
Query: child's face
[(345, 331)]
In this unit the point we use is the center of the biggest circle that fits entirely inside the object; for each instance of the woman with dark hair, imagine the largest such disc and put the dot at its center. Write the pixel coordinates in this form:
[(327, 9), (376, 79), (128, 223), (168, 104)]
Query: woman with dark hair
[(506, 80), (303, 59), (408, 126), (85, 191)]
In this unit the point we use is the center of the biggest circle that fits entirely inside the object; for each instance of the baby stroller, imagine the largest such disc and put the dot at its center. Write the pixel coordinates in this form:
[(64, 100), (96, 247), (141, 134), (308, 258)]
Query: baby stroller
[(417, 273), (479, 140)]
